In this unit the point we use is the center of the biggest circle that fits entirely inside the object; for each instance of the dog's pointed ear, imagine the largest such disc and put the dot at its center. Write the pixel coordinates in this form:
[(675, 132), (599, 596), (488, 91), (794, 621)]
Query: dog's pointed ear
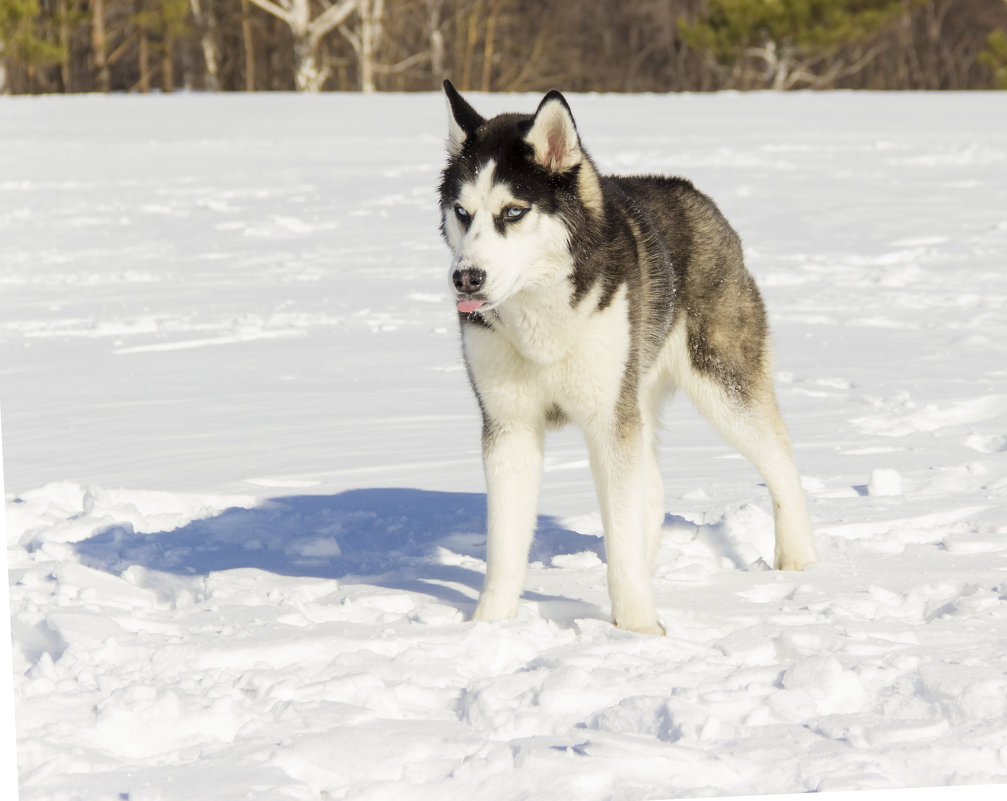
[(553, 135), (463, 120)]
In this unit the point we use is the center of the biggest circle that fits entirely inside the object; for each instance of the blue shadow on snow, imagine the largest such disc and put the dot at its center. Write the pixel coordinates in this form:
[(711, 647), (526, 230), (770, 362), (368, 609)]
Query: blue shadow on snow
[(407, 539)]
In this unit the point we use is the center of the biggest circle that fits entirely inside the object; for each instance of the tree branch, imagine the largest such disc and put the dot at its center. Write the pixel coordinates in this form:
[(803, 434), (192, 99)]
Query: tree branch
[(402, 66), (275, 10), (352, 38), (331, 18)]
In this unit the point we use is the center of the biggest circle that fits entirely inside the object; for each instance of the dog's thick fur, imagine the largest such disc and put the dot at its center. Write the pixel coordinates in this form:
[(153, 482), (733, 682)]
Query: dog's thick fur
[(589, 299)]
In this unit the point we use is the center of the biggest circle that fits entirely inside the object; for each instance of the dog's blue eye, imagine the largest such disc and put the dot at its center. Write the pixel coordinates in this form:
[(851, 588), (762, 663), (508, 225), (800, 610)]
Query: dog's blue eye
[(462, 214), (514, 213)]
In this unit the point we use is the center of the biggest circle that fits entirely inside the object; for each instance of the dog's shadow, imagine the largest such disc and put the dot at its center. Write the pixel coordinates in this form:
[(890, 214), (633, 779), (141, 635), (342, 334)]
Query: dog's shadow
[(406, 539)]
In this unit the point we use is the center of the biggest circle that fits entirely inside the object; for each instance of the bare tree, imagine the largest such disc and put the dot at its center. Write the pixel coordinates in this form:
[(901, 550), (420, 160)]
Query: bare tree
[(249, 46), (435, 35), (207, 25), (101, 73), (309, 74), (63, 10), (365, 39), (142, 21), (171, 25), (408, 32)]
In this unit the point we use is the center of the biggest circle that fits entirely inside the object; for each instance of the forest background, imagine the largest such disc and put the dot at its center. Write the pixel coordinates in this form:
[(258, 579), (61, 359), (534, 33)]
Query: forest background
[(53, 46)]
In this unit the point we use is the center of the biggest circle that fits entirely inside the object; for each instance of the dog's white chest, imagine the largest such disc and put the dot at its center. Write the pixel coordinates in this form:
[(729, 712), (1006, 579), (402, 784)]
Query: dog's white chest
[(571, 357), (545, 328), (540, 336)]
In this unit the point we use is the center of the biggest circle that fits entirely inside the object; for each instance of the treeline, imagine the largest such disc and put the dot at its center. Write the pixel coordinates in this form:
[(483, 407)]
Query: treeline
[(500, 45)]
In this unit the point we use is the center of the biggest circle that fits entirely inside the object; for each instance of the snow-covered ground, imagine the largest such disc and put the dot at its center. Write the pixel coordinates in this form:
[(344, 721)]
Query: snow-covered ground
[(244, 499)]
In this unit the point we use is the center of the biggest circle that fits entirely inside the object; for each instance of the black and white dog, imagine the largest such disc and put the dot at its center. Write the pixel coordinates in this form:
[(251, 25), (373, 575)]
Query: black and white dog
[(588, 298)]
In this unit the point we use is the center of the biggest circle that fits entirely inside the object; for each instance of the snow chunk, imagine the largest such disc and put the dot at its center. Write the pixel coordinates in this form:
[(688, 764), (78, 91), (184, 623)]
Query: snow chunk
[(885, 481)]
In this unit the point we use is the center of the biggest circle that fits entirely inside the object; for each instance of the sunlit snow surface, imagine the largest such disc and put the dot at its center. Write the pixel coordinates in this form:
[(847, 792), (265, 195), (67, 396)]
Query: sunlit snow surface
[(245, 508)]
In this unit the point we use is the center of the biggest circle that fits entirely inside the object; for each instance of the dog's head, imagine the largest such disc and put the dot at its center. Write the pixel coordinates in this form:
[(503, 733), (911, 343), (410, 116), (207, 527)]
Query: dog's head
[(515, 188)]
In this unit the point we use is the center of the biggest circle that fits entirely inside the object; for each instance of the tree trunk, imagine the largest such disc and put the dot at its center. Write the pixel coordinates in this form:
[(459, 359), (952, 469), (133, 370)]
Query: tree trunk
[(470, 45), (65, 70), (371, 17), (491, 25), (102, 79), (278, 71), (143, 58), (248, 43), (168, 64), (207, 25), (437, 55), (305, 69), (308, 76)]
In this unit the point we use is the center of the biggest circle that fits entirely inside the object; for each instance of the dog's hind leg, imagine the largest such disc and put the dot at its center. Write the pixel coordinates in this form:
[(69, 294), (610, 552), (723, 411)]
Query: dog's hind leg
[(761, 437), (751, 422), (512, 460), (755, 428)]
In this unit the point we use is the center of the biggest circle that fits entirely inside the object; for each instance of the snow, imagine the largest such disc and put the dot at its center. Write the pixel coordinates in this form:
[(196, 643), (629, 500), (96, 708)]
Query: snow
[(245, 510)]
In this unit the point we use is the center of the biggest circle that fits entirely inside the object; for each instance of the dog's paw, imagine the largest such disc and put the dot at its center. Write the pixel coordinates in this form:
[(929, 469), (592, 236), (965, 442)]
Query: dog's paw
[(639, 627), (494, 608), (794, 560)]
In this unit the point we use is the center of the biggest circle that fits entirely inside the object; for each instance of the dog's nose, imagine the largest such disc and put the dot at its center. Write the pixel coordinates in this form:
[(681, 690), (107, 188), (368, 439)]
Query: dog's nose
[(468, 280)]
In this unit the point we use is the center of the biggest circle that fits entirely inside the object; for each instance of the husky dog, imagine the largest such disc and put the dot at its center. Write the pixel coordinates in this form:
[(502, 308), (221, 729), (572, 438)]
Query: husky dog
[(589, 298)]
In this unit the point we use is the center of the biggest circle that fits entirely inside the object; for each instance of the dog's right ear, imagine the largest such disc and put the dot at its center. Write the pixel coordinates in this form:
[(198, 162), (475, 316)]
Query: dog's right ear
[(463, 121)]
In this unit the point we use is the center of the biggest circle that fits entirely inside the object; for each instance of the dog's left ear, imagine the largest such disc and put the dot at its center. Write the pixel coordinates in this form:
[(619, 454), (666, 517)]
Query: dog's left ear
[(553, 135)]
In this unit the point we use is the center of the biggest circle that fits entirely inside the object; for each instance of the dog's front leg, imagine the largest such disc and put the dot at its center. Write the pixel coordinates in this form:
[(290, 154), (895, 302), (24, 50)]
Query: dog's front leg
[(618, 461), (512, 460)]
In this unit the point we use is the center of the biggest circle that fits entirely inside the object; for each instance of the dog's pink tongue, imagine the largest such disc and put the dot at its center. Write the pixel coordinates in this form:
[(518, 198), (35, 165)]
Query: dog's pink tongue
[(466, 306)]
